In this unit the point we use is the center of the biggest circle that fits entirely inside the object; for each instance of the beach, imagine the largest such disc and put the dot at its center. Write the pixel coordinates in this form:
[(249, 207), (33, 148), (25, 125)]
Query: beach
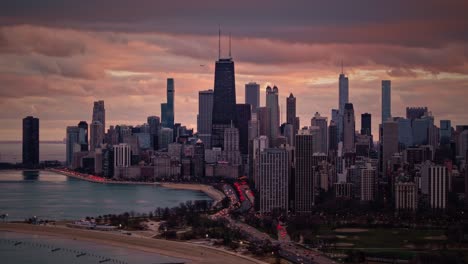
[(193, 253)]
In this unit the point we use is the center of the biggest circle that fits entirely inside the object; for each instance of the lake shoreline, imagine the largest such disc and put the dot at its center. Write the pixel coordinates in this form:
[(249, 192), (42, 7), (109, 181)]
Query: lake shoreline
[(209, 190), (192, 252)]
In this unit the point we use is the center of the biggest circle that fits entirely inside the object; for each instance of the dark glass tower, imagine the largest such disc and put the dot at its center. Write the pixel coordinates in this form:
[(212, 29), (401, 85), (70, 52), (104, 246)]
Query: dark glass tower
[(243, 117), (167, 109), (83, 135), (366, 124), (30, 142), (224, 100)]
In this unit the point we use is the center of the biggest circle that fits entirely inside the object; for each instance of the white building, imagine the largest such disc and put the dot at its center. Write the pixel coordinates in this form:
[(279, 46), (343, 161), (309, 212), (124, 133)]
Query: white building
[(368, 183), (434, 183), (406, 195)]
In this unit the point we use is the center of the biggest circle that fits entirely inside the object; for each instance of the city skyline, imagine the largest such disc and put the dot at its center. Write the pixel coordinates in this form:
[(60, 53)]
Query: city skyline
[(58, 78)]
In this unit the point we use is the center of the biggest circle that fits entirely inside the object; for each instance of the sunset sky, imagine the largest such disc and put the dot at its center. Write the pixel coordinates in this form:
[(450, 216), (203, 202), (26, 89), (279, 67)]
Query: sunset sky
[(58, 56)]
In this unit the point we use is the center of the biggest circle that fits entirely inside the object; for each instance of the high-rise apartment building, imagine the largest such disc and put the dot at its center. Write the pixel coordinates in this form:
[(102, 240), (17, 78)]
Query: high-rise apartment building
[(291, 112), (30, 142), (368, 183), (435, 184), (389, 143), (273, 179), (406, 196), (252, 95), (304, 190), (243, 116), (445, 132)]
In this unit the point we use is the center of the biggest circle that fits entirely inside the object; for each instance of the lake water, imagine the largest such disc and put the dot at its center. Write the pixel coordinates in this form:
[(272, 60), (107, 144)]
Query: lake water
[(12, 152), (35, 249), (47, 195)]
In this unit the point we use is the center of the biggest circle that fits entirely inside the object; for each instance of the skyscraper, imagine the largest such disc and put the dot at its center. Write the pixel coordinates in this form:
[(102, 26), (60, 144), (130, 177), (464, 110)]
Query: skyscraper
[(204, 118), (389, 143), (224, 100), (445, 131), (199, 159), (272, 104), (154, 123), (332, 137), (243, 116), (273, 179), (73, 140), (386, 100), (96, 136), (368, 183), (366, 124), (343, 92), (322, 123), (99, 114), (30, 142), (304, 174), (291, 112), (83, 135), (343, 99), (435, 184), (349, 125), (416, 112), (252, 95), (264, 116), (167, 109)]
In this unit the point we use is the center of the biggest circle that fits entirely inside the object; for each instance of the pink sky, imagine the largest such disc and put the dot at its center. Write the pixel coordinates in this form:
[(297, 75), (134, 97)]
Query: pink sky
[(56, 59)]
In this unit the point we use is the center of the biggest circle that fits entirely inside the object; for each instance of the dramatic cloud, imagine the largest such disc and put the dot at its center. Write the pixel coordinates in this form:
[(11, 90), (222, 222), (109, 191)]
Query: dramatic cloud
[(57, 57)]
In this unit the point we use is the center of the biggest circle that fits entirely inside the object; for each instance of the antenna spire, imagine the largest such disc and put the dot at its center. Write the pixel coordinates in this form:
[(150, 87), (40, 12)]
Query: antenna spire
[(341, 66), (219, 43), (230, 45)]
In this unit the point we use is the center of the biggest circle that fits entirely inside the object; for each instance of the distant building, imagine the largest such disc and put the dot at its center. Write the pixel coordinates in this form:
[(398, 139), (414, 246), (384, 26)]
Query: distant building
[(96, 138), (252, 95), (435, 184), (204, 118), (199, 160), (122, 160), (154, 123), (165, 137), (322, 124), (343, 99), (224, 100), (273, 106), (389, 143), (304, 172), (368, 183), (273, 180), (291, 112), (30, 142), (99, 114), (73, 140), (332, 136), (243, 116), (406, 196), (386, 100), (83, 135), (405, 132), (349, 128), (366, 124), (167, 109), (445, 132), (415, 112), (264, 116)]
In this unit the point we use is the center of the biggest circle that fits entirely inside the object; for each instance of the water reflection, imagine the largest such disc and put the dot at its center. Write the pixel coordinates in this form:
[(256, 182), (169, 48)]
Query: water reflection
[(30, 175)]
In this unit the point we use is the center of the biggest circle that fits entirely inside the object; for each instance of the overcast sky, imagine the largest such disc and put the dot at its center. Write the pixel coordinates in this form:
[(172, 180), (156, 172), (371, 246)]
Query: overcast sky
[(58, 56)]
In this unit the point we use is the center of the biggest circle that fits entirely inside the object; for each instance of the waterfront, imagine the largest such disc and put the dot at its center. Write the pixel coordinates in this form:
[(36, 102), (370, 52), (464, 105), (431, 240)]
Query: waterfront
[(48, 195)]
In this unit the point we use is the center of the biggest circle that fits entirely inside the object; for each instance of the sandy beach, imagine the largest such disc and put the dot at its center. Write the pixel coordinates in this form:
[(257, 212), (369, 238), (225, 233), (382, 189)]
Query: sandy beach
[(191, 252)]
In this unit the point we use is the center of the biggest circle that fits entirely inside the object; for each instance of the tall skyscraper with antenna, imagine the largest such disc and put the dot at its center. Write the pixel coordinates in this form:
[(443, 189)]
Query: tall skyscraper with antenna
[(224, 97), (343, 87)]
